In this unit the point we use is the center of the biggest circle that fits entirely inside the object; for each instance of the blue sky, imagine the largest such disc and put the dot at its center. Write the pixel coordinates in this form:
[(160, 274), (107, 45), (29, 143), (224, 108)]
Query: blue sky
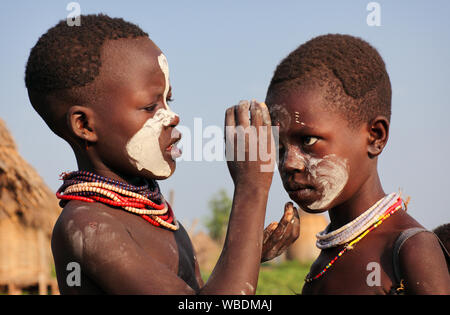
[(223, 51)]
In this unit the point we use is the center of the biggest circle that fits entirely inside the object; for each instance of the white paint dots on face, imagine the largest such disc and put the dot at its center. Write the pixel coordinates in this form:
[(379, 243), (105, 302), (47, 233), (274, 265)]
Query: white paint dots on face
[(143, 148), (297, 117)]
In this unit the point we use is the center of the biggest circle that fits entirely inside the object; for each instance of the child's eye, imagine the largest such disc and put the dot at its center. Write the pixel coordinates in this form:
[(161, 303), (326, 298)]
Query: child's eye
[(308, 141), (151, 108), (169, 99)]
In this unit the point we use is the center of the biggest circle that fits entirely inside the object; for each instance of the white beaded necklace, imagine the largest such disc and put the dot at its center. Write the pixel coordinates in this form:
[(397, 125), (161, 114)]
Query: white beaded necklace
[(354, 228)]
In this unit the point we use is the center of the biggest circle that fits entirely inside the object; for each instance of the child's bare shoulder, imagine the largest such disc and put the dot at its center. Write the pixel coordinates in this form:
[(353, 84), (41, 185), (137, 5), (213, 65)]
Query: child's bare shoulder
[(80, 215), (83, 226), (420, 258)]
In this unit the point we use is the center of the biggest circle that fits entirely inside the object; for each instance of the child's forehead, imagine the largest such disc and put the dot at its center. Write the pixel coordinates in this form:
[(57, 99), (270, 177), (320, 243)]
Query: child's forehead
[(130, 56), (297, 104), (133, 63), (306, 111)]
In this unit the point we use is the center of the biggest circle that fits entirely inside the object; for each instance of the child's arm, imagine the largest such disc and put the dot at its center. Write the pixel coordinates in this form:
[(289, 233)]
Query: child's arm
[(423, 266), (237, 270)]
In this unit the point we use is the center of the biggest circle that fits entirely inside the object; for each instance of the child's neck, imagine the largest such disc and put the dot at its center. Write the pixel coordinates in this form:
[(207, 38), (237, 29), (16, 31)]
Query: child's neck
[(367, 195), (101, 169)]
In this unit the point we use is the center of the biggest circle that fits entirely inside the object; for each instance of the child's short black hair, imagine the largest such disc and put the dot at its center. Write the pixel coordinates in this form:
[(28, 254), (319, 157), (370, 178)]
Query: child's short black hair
[(69, 56), (66, 59), (350, 69)]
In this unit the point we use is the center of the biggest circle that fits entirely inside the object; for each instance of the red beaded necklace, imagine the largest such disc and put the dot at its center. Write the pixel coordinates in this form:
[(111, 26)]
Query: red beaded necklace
[(89, 187)]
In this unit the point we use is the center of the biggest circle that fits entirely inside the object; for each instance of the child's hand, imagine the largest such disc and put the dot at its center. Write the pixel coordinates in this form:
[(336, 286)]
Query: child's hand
[(279, 236), (250, 148)]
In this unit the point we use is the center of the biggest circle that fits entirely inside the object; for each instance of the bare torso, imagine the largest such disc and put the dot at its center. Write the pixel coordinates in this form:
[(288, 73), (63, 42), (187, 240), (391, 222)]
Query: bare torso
[(97, 236)]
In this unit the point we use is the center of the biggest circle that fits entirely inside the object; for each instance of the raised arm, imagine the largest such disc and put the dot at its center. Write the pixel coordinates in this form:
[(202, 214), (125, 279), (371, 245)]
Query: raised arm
[(237, 270)]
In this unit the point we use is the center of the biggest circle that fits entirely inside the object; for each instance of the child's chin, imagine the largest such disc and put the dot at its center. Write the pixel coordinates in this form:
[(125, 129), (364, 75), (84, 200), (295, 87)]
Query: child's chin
[(150, 175), (312, 211)]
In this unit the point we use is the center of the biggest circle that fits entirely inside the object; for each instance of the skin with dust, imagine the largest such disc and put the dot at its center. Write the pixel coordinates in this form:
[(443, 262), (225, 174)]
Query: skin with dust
[(143, 148), (329, 174)]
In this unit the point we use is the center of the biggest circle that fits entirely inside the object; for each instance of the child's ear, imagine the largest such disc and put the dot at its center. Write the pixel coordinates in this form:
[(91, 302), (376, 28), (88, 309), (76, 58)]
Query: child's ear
[(378, 135), (81, 122)]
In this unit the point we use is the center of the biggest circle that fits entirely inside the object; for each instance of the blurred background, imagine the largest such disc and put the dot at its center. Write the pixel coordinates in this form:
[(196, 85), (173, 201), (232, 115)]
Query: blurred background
[(220, 52)]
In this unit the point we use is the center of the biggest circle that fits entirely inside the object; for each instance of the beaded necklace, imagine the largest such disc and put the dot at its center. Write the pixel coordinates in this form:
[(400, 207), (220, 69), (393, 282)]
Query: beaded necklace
[(89, 187), (391, 210), (354, 228)]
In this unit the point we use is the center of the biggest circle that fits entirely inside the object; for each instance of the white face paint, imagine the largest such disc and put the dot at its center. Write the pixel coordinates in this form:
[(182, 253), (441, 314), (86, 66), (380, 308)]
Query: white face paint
[(143, 148), (330, 174)]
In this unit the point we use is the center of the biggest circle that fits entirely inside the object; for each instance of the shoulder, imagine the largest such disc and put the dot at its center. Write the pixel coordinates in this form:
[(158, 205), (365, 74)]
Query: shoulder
[(422, 262), (411, 238), (78, 214), (80, 222)]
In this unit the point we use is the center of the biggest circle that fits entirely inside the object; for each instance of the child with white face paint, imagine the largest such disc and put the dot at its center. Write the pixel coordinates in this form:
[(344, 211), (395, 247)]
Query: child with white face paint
[(111, 106), (331, 99)]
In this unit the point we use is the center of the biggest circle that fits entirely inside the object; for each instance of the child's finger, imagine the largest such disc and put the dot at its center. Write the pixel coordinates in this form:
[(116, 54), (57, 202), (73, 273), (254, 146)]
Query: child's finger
[(269, 230), (241, 114), (295, 225), (265, 113), (255, 110), (229, 117), (286, 223)]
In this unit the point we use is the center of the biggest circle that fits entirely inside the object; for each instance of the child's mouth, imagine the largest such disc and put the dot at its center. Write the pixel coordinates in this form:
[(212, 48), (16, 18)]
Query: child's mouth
[(302, 193), (173, 150), (306, 195)]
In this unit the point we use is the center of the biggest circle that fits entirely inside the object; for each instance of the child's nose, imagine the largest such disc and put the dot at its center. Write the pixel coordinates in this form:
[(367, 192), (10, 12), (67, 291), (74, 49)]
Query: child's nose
[(293, 161), (175, 121)]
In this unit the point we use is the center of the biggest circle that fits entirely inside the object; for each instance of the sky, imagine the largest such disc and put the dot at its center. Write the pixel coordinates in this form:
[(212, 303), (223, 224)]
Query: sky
[(221, 52)]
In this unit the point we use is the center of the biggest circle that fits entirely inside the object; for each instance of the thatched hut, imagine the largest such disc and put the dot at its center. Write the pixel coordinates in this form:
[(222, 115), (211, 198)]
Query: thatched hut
[(28, 211)]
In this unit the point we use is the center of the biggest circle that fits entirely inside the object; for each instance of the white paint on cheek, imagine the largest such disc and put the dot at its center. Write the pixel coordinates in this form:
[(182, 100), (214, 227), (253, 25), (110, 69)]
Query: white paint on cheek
[(143, 148), (330, 174)]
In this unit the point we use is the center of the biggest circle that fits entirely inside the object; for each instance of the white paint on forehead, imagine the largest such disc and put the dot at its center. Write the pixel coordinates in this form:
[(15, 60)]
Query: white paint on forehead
[(164, 65), (143, 148)]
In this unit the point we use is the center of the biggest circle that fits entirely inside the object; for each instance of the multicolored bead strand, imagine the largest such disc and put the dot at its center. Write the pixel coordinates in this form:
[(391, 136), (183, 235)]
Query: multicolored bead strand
[(391, 210), (89, 187)]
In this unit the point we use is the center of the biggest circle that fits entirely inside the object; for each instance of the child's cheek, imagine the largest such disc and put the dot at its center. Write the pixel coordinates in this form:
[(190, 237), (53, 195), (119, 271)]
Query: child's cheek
[(330, 174), (143, 148)]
